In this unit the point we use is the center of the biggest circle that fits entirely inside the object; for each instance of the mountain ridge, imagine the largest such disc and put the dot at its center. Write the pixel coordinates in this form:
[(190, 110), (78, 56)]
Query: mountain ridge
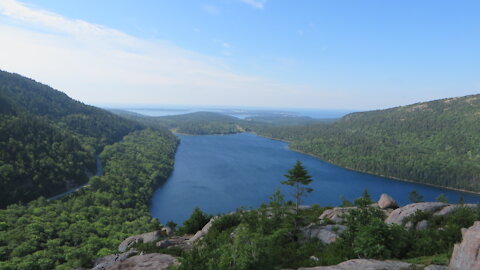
[(435, 142), (48, 141)]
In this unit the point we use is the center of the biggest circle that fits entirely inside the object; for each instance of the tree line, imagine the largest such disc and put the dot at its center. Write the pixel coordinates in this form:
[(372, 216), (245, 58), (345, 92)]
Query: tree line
[(73, 231), (436, 142), (48, 141)]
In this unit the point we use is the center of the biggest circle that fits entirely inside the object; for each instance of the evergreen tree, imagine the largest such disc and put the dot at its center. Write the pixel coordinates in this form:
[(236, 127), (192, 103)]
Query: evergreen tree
[(365, 200), (442, 198), (298, 178), (415, 197)]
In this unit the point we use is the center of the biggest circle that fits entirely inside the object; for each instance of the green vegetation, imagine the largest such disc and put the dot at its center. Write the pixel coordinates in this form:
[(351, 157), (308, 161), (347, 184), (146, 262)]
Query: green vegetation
[(38, 159), (204, 123), (286, 120), (197, 220), (298, 178), (48, 141), (71, 232), (442, 198), (255, 239), (201, 123), (94, 126), (435, 142), (198, 123), (267, 238), (415, 197)]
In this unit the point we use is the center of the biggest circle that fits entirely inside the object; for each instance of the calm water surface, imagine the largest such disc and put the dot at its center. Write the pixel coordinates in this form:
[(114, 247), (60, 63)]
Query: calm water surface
[(221, 173)]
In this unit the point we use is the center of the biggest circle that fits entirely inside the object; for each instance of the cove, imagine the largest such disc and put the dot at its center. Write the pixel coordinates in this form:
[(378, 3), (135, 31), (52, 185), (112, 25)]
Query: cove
[(220, 173)]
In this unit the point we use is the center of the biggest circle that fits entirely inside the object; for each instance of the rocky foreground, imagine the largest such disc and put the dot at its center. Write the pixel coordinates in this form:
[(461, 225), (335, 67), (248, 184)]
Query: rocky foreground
[(465, 255)]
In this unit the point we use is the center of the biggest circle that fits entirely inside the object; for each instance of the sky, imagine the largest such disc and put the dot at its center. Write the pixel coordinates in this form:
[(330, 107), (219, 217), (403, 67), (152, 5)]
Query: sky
[(320, 54)]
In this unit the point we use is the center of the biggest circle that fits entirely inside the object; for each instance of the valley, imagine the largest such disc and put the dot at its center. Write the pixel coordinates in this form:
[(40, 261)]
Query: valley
[(239, 135), (153, 179), (220, 173)]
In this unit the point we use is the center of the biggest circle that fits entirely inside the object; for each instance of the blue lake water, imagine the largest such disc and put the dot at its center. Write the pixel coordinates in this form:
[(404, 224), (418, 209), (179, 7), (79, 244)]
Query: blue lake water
[(220, 173)]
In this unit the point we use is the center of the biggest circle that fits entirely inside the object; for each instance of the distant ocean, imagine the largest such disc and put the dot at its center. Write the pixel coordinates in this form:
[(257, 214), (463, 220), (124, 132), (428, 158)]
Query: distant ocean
[(241, 113)]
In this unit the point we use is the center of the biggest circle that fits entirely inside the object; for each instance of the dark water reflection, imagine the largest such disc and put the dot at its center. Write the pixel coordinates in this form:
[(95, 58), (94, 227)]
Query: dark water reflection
[(221, 173)]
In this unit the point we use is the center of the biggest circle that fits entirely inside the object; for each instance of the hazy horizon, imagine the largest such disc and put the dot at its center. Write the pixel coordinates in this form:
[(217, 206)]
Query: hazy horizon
[(266, 107), (350, 55)]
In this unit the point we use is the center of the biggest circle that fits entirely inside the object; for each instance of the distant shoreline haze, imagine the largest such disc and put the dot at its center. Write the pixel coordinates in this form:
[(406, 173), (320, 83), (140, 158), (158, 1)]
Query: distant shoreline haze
[(239, 112)]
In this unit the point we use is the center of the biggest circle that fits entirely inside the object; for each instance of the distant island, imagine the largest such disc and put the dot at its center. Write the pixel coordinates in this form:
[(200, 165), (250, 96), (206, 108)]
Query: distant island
[(49, 142), (436, 142)]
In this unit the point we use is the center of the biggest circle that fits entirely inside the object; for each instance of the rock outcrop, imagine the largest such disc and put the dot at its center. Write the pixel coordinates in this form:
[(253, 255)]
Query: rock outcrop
[(436, 267), (183, 242), (422, 225), (335, 214), (364, 264), (327, 234), (387, 202), (398, 215), (176, 241), (167, 231), (202, 232), (145, 237), (447, 210), (152, 261), (466, 255), (368, 264), (110, 260)]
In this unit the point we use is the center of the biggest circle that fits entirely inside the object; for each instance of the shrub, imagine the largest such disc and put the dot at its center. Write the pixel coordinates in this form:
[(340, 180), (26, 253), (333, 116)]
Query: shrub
[(226, 222), (195, 222)]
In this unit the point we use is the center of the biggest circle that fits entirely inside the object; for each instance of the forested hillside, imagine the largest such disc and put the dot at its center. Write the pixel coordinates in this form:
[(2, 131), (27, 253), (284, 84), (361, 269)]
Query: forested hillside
[(48, 141), (197, 123), (434, 142), (71, 232), (39, 159), (286, 120), (95, 126)]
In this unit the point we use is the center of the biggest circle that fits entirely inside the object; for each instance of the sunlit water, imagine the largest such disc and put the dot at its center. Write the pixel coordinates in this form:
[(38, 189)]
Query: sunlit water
[(221, 173)]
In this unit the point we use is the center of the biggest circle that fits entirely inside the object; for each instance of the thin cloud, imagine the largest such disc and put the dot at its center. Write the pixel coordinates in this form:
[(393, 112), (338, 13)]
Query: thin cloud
[(212, 10), (97, 64), (222, 43), (259, 4)]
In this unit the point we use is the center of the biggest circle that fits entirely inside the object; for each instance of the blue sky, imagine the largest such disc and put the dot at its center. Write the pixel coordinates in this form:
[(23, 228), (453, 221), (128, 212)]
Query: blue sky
[(326, 54)]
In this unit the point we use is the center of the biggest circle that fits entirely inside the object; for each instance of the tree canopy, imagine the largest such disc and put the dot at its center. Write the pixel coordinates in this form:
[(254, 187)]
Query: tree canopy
[(298, 178), (435, 142)]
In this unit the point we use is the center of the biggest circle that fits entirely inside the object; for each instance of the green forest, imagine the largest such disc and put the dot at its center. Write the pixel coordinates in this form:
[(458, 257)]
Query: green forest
[(73, 231), (48, 141), (435, 142), (38, 158), (197, 123), (270, 237)]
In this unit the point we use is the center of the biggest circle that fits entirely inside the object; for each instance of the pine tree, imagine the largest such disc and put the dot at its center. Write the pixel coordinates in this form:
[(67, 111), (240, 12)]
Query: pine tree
[(298, 178), (415, 197)]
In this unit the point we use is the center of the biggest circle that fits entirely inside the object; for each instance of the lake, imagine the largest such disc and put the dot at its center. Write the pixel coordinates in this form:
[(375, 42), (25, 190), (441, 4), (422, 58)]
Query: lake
[(220, 173), (241, 113)]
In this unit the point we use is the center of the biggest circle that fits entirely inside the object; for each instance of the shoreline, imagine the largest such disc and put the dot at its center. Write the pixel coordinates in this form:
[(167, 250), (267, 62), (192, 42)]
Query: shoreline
[(366, 172), (348, 168)]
